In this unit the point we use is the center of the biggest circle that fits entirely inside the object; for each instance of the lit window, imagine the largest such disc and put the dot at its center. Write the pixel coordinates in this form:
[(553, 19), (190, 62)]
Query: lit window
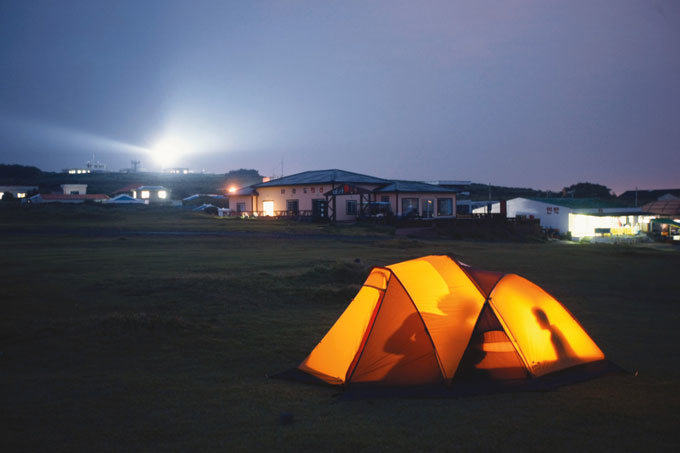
[(21, 195), (134, 194), (145, 194), (2, 194), (162, 194)]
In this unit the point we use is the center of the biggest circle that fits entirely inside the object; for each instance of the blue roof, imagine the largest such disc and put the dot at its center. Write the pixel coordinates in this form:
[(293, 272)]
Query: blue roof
[(151, 188), (414, 186), (323, 177)]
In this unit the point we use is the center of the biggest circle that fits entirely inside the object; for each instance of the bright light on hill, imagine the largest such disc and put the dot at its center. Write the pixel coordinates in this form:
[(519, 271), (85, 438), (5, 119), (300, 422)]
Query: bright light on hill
[(169, 150)]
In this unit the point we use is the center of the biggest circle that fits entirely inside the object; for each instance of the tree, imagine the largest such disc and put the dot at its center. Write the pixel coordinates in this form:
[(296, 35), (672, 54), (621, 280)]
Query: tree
[(587, 190)]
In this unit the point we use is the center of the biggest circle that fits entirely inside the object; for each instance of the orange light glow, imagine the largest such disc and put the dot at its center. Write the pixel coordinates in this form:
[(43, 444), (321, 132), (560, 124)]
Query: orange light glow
[(424, 320), (231, 189)]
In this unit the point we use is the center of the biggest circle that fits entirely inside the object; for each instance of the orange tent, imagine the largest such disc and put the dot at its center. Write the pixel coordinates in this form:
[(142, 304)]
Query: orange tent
[(434, 320)]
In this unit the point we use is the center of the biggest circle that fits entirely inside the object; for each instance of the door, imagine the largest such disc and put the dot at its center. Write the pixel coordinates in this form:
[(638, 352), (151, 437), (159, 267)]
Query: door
[(268, 208), (319, 208), (428, 208)]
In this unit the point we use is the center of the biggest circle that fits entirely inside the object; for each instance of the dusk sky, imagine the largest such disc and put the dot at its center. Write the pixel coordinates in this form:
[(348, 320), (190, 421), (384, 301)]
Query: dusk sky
[(536, 94)]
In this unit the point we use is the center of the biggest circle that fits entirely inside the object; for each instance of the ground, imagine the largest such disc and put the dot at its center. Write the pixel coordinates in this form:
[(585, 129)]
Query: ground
[(133, 330)]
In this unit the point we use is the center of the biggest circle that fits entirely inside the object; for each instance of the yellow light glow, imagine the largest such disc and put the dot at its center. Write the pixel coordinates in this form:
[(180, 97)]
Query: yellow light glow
[(232, 189), (162, 194), (145, 194), (21, 195)]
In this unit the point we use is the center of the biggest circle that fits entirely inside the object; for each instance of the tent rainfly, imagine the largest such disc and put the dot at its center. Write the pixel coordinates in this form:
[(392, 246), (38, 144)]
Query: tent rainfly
[(434, 320)]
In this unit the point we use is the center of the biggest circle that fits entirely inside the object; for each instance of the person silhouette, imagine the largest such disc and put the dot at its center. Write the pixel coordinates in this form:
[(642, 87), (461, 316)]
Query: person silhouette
[(562, 348)]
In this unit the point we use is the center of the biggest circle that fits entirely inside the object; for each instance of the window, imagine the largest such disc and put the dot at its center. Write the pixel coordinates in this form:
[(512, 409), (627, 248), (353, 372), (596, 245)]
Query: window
[(21, 194), (304, 190), (313, 189), (162, 194), (294, 190), (145, 194), (444, 207), (320, 189), (240, 207), (409, 206), (292, 206), (283, 191), (351, 207)]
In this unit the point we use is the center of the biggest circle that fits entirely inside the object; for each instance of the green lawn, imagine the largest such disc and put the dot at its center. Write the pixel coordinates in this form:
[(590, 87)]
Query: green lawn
[(142, 343)]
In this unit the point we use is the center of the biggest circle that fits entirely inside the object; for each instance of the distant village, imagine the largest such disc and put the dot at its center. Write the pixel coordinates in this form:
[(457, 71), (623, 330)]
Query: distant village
[(343, 196)]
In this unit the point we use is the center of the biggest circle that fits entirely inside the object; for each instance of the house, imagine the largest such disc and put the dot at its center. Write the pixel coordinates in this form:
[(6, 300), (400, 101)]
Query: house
[(198, 199), (342, 195), (17, 191), (582, 217), (151, 194), (419, 198), (67, 198), (124, 199), (74, 189), (243, 200)]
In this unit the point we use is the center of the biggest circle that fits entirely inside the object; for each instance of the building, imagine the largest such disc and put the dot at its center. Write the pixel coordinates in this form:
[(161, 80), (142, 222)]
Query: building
[(67, 198), (641, 197), (151, 194), (198, 199), (74, 189), (667, 221), (581, 217), (124, 199), (177, 171), (342, 195), (148, 194), (17, 191)]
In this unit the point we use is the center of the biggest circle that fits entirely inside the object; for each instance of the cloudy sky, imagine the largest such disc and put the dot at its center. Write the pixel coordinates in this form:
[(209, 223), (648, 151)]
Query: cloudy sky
[(523, 93)]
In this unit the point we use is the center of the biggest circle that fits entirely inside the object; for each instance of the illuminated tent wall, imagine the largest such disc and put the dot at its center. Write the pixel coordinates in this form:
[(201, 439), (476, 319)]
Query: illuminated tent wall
[(432, 320)]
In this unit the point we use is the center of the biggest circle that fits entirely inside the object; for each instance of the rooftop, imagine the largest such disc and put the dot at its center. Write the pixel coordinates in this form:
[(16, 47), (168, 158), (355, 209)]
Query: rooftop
[(414, 186), (62, 196), (322, 177), (582, 203), (666, 207)]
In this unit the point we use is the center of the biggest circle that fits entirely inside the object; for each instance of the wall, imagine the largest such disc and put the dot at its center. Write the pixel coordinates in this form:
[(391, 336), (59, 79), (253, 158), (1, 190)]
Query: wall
[(78, 189), (550, 215)]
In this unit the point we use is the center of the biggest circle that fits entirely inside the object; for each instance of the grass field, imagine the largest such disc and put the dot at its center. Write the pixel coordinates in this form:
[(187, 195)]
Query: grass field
[(119, 342)]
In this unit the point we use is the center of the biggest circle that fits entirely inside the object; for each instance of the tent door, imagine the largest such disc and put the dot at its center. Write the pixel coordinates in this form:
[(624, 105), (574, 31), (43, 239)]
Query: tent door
[(490, 355)]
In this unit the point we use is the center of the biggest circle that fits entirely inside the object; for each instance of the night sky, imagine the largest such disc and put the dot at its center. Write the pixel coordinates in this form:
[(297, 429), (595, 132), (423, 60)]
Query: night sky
[(523, 93)]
